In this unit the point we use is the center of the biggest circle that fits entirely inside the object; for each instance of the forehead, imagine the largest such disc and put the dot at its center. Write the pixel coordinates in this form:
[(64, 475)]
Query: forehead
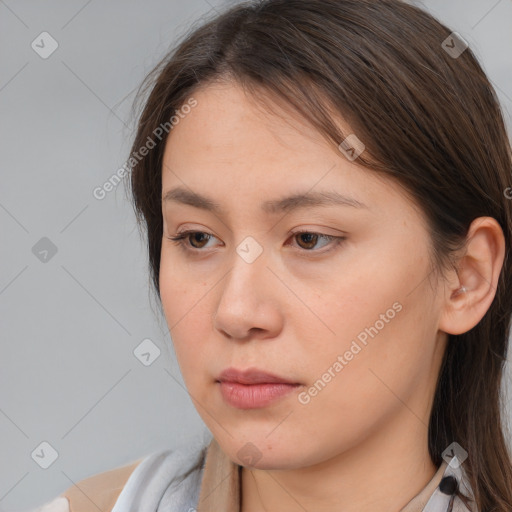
[(233, 136), (231, 146)]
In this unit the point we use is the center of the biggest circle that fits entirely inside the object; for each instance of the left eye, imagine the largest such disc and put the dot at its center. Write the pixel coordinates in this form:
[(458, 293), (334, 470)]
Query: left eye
[(308, 238)]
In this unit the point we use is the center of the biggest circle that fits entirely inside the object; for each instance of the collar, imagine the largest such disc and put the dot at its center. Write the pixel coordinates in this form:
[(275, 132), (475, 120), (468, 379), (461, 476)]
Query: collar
[(220, 486)]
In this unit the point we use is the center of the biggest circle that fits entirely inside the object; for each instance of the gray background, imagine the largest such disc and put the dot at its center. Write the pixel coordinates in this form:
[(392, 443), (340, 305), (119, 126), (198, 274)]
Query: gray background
[(69, 325)]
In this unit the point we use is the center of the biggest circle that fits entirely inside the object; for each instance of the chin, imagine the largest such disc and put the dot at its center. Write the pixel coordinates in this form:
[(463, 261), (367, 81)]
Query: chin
[(258, 452)]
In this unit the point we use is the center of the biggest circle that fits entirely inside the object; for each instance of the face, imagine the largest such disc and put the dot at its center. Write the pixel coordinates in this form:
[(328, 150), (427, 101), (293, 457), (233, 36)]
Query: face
[(344, 310)]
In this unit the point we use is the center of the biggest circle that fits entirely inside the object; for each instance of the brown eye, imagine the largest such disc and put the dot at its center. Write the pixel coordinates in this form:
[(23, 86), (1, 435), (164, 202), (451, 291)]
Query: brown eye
[(195, 241), (193, 237), (309, 239)]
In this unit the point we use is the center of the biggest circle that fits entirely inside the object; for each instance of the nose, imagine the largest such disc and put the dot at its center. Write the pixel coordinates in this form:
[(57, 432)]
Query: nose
[(250, 302)]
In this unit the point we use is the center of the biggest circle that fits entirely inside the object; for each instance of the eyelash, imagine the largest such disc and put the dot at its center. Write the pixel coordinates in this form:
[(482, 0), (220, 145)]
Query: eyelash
[(180, 240)]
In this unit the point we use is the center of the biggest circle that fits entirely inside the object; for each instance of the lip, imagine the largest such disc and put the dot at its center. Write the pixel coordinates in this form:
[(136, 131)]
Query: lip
[(252, 376), (254, 396), (253, 388)]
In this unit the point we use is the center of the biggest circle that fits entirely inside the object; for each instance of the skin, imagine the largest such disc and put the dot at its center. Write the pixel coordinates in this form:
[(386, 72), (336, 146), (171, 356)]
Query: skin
[(296, 307)]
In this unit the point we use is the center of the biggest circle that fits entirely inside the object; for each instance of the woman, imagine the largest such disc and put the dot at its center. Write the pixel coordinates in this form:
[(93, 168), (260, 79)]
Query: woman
[(325, 186)]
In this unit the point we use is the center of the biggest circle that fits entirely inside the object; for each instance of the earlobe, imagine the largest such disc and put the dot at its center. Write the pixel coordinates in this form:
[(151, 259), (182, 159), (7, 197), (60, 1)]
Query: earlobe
[(473, 289)]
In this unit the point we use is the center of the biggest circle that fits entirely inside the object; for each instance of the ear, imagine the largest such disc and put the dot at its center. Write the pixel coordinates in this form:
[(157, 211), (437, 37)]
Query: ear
[(478, 270)]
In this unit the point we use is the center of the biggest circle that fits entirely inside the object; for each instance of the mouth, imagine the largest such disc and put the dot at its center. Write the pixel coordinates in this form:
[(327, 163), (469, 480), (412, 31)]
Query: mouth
[(252, 376), (253, 388)]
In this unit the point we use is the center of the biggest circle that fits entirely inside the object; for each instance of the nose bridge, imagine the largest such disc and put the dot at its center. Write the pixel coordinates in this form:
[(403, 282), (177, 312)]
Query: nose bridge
[(249, 249), (241, 305), (249, 264)]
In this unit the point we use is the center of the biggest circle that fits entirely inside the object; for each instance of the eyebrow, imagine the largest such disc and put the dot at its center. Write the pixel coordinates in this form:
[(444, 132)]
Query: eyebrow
[(275, 206)]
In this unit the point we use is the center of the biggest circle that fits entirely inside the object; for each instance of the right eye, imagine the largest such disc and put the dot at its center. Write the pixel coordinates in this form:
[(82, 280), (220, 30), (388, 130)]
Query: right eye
[(181, 239)]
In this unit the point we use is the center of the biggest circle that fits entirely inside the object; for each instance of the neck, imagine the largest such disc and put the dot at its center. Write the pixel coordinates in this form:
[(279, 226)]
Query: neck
[(382, 472)]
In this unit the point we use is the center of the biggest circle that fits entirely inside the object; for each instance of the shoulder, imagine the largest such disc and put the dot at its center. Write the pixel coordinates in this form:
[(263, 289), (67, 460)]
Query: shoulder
[(102, 489), (60, 504), (168, 471), (171, 477)]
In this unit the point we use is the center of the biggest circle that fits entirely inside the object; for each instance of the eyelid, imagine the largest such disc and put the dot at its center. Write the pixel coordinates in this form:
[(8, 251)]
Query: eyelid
[(315, 230), (181, 238)]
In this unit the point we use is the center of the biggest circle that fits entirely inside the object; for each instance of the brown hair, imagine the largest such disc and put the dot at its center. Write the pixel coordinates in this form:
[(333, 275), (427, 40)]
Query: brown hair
[(428, 118)]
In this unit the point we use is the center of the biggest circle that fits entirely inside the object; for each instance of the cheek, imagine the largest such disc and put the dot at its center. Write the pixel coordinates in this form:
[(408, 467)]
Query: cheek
[(380, 326), (380, 377), (185, 307), (179, 290)]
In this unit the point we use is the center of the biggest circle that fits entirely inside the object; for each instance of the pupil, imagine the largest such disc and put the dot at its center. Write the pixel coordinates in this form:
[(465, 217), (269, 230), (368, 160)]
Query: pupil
[(196, 235), (308, 236)]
